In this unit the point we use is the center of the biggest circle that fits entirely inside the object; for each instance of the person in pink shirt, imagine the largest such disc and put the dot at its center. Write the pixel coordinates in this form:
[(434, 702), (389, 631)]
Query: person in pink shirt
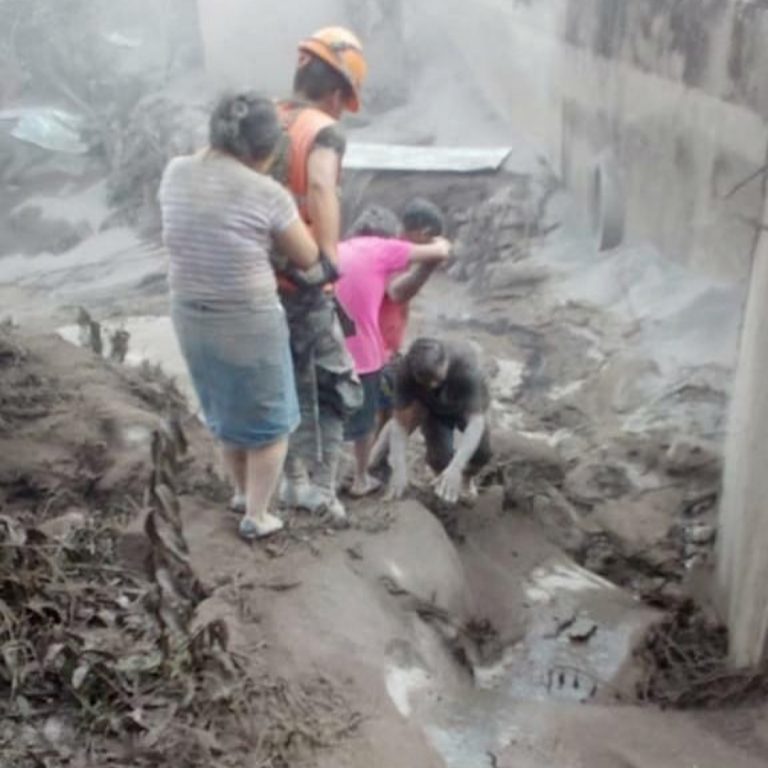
[(422, 222), (367, 261)]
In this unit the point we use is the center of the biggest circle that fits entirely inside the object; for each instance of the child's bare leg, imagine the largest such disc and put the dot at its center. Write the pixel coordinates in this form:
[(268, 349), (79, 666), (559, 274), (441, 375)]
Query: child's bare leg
[(380, 448), (364, 483)]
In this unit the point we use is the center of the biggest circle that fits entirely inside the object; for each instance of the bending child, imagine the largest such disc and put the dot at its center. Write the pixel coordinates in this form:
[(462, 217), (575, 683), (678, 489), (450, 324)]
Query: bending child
[(441, 389), (367, 262)]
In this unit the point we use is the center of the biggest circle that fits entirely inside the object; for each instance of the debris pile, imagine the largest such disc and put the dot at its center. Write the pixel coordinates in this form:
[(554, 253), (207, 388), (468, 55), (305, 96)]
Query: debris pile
[(641, 522), (102, 97), (160, 127), (35, 233), (495, 236), (104, 658), (656, 541), (685, 663)]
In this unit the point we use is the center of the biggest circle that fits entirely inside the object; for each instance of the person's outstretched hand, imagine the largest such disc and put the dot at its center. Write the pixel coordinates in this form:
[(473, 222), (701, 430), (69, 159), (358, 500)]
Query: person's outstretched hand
[(444, 246), (448, 484), (398, 484)]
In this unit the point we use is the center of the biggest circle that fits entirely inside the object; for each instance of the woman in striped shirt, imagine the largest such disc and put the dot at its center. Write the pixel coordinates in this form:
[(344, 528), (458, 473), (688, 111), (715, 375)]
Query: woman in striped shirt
[(222, 216)]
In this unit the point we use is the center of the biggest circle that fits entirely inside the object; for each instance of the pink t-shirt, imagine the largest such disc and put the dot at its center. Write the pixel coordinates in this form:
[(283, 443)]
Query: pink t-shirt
[(367, 265)]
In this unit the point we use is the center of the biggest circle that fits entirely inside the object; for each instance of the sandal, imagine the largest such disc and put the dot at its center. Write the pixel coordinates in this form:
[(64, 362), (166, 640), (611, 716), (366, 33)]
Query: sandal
[(249, 530), (372, 485)]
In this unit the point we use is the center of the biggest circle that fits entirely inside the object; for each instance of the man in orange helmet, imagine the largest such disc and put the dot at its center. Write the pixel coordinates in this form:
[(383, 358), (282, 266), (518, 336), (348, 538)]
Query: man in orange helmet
[(328, 79)]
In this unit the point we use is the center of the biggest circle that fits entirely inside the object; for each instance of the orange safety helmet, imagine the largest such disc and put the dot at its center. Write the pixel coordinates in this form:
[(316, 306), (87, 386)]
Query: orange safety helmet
[(342, 50)]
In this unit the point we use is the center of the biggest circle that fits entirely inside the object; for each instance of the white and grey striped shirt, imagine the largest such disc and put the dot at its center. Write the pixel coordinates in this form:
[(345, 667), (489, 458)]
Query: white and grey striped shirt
[(219, 217)]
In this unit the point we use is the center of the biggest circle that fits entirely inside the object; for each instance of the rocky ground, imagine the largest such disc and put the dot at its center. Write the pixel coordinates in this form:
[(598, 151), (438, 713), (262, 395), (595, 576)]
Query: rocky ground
[(136, 626)]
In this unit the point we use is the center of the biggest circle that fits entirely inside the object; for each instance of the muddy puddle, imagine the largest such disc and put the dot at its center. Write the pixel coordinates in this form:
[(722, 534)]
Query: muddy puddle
[(576, 635)]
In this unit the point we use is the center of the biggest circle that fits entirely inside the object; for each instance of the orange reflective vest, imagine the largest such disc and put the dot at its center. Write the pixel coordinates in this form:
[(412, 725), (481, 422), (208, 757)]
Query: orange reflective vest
[(302, 124)]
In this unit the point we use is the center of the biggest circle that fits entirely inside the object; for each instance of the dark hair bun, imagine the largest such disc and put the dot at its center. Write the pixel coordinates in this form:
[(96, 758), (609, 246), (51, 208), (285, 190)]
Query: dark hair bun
[(245, 125)]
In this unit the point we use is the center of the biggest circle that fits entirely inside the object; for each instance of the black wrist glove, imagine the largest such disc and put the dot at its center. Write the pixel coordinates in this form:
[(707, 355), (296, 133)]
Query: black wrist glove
[(331, 273), (327, 273)]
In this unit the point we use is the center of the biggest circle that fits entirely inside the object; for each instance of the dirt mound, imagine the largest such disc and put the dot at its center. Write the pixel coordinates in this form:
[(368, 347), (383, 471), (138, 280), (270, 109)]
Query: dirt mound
[(109, 650), (74, 432)]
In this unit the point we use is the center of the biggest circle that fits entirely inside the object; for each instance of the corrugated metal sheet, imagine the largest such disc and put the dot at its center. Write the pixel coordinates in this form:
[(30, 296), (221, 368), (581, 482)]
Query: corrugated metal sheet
[(394, 157)]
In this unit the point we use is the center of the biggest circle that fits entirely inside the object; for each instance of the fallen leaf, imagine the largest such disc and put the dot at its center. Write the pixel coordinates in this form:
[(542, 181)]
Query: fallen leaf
[(53, 652), (79, 675), (140, 662)]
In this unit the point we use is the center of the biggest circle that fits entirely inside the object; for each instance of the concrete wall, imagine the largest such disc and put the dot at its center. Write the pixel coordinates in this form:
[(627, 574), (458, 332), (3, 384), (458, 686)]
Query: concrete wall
[(743, 535), (676, 89), (687, 115)]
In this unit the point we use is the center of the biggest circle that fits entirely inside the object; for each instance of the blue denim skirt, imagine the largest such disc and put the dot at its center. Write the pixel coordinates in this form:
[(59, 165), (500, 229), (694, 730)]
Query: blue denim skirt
[(239, 360)]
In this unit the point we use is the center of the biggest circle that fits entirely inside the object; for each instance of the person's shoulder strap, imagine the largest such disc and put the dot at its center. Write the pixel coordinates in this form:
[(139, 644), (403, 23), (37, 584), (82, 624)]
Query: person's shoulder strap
[(299, 118)]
